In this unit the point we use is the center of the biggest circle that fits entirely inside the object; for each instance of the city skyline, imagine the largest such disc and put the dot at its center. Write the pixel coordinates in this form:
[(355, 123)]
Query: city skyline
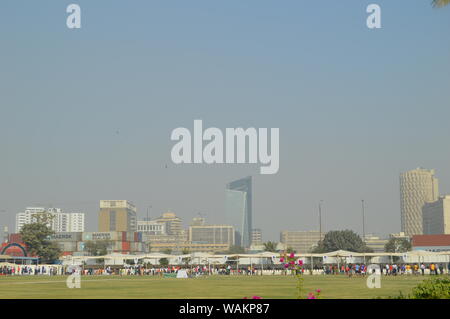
[(408, 178)]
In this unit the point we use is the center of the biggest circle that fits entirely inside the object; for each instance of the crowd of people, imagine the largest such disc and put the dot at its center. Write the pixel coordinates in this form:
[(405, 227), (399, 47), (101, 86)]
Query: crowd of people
[(23, 270), (389, 269), (350, 270)]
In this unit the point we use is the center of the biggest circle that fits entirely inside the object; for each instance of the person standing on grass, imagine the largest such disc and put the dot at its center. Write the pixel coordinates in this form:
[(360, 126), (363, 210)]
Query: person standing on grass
[(422, 268), (432, 269)]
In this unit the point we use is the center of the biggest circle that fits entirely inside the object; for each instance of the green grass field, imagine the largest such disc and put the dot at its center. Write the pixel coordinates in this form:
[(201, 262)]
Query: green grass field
[(206, 287)]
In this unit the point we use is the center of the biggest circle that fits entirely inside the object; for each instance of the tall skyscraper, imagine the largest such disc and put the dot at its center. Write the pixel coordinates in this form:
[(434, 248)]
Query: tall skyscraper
[(238, 208), (417, 187), (117, 215)]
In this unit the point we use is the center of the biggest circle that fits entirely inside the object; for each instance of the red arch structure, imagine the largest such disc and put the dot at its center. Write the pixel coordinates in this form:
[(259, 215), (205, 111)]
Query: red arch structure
[(10, 245)]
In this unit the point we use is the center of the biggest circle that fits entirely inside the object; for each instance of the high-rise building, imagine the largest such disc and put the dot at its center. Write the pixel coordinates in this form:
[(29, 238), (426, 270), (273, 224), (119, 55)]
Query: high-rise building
[(238, 208), (417, 187), (58, 222), (436, 216), (76, 222), (211, 234), (117, 215), (300, 241), (256, 236)]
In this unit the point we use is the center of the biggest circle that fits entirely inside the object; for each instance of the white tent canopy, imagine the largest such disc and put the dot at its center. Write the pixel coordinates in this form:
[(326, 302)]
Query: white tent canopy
[(204, 258)]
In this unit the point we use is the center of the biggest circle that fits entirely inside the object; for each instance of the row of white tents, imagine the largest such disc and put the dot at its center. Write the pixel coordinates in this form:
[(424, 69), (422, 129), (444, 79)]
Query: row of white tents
[(266, 258)]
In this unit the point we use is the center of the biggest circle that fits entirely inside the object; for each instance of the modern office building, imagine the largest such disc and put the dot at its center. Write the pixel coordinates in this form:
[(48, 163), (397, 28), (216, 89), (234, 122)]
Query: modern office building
[(417, 187), (238, 210), (300, 241), (117, 215), (257, 236), (59, 221), (211, 234), (436, 216)]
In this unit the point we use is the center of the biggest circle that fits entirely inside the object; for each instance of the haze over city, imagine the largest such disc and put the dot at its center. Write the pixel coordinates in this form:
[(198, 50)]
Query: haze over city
[(89, 116)]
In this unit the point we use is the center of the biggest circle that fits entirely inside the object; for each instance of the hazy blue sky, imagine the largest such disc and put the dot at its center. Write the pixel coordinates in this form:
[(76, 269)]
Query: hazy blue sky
[(87, 114)]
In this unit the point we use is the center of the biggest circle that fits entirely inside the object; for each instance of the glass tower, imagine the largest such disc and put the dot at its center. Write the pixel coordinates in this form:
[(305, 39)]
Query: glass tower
[(238, 209)]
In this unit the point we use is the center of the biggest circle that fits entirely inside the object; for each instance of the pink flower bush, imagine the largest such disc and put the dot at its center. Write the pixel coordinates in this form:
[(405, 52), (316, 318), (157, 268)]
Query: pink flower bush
[(296, 267), (311, 296)]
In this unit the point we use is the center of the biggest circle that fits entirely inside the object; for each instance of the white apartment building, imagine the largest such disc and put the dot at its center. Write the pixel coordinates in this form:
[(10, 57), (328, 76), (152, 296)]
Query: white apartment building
[(61, 222), (417, 187)]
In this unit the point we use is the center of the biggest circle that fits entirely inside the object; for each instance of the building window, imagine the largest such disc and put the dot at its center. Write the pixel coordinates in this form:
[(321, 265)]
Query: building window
[(112, 220)]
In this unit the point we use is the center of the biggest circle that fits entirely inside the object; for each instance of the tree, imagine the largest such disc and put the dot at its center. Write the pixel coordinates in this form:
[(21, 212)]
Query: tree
[(98, 247), (185, 251), (164, 262), (270, 246), (36, 238), (397, 245), (341, 240), (290, 250), (440, 3), (167, 251), (186, 260)]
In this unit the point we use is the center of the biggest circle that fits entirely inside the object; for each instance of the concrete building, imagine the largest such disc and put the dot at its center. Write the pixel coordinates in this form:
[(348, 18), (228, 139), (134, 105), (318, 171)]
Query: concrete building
[(117, 215), (375, 243), (198, 221), (257, 237), (151, 227), (417, 187), (300, 241), (238, 210), (400, 235), (59, 220), (436, 216), (173, 223), (76, 222), (211, 234)]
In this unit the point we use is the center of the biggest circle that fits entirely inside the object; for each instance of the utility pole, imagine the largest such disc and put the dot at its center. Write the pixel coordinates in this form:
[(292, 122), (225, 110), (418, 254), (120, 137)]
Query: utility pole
[(320, 220), (363, 221)]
